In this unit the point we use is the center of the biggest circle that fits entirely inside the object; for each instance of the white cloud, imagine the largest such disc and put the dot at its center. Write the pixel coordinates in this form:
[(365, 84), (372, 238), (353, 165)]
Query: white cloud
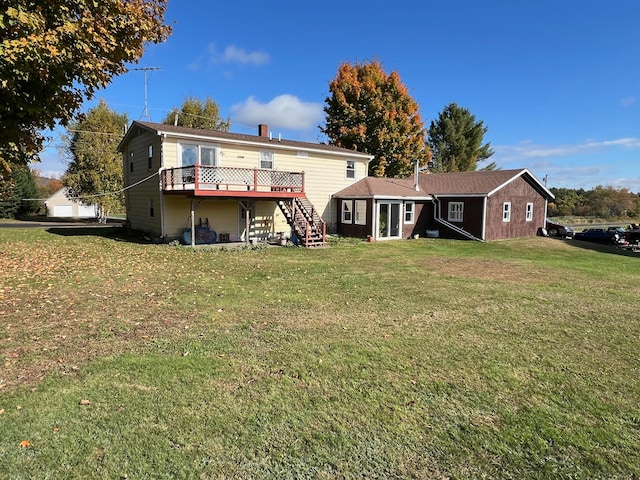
[(233, 54), (528, 150), (284, 111)]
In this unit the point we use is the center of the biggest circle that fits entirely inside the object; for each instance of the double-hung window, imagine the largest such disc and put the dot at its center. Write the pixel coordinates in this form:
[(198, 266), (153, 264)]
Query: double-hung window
[(529, 215), (351, 169), (409, 212), (150, 158), (346, 211), (506, 212), (360, 212), (266, 159), (456, 211)]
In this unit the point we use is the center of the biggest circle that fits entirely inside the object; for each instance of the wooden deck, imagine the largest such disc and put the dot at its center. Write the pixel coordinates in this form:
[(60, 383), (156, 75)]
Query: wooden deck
[(199, 180)]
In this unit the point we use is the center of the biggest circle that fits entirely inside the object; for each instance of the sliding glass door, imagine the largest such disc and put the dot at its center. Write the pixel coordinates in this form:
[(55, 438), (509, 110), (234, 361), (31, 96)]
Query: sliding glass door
[(389, 220)]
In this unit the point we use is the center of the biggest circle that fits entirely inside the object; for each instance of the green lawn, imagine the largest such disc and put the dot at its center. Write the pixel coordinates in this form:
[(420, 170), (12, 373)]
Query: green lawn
[(426, 358)]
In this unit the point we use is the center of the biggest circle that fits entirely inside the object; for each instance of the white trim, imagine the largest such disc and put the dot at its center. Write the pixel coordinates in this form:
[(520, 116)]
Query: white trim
[(506, 212), (528, 215), (412, 221), (349, 211), (455, 218), (518, 175)]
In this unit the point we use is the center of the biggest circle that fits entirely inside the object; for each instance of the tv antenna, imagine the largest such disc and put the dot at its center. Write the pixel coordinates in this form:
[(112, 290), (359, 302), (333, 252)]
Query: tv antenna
[(145, 113)]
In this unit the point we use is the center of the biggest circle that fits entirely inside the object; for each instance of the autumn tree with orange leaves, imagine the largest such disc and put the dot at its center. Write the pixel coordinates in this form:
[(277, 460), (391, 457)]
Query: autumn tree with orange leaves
[(54, 54), (372, 112)]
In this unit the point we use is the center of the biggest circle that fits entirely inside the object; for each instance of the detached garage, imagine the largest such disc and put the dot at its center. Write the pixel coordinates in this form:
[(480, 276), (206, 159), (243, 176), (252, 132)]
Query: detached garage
[(58, 205)]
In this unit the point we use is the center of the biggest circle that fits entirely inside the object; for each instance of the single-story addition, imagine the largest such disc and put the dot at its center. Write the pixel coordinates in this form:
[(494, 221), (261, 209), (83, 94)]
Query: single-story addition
[(59, 205), (483, 205), (236, 187)]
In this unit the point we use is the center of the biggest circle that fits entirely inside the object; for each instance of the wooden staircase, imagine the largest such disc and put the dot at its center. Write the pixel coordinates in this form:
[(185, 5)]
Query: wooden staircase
[(305, 222)]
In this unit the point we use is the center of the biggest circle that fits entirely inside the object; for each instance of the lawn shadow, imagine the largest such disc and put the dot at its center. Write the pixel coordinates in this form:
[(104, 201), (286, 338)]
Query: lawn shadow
[(117, 233), (613, 249)]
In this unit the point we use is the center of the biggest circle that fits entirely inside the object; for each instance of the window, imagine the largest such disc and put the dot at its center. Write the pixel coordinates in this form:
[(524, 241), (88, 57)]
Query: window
[(150, 157), (506, 212), (409, 209), (192, 154), (346, 211), (360, 212), (189, 155), (351, 169), (208, 156), (151, 211), (266, 159), (529, 216), (456, 210), (131, 161)]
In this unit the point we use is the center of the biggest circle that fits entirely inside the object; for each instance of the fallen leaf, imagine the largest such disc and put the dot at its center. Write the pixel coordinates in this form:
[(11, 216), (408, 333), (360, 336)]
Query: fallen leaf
[(25, 443), (85, 402), (1, 411), (56, 428)]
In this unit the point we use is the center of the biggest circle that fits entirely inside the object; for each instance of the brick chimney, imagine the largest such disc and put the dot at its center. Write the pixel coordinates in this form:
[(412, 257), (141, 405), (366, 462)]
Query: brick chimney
[(263, 130)]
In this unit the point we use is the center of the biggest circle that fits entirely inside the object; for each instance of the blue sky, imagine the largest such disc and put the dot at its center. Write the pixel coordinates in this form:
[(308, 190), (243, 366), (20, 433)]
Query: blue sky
[(557, 82)]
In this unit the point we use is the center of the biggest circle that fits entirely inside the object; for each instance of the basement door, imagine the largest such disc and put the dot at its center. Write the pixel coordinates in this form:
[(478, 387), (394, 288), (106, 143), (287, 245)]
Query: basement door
[(389, 220)]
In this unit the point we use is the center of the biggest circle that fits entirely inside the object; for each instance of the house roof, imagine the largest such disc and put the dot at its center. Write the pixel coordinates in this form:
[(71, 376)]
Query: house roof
[(370, 187), (238, 138), (481, 183)]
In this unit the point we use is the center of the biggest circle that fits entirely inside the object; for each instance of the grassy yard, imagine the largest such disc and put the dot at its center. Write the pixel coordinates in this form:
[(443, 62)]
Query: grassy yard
[(413, 359)]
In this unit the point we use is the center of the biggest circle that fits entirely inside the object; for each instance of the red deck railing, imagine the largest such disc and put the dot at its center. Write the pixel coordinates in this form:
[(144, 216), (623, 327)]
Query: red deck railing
[(200, 177)]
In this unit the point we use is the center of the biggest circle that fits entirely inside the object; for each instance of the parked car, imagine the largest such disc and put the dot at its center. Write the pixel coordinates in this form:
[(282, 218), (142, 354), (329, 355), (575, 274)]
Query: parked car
[(619, 230), (555, 229), (599, 235), (632, 236)]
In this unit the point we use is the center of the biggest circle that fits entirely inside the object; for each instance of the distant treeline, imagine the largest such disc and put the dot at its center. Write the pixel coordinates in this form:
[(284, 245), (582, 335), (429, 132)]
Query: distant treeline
[(601, 202)]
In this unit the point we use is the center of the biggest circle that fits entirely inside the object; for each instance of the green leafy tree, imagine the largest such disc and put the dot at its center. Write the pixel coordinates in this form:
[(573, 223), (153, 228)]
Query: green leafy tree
[(56, 53), (195, 113), (94, 173), (456, 139), (372, 112), (18, 193)]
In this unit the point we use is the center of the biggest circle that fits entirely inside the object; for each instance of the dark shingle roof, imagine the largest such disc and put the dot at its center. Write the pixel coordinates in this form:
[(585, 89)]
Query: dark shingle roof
[(243, 138), (373, 186), (480, 183), (467, 183)]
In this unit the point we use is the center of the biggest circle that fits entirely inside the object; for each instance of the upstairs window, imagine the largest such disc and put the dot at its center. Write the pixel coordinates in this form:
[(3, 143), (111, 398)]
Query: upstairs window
[(150, 158), (529, 216), (131, 161), (266, 159), (351, 169), (456, 210), (506, 212), (192, 154)]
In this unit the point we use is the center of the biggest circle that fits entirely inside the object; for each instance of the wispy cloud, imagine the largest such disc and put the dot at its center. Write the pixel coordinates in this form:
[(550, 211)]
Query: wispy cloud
[(628, 101), (234, 54), (529, 150), (284, 111)]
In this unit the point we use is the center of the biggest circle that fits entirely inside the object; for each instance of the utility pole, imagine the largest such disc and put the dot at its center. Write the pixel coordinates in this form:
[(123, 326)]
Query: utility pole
[(145, 113)]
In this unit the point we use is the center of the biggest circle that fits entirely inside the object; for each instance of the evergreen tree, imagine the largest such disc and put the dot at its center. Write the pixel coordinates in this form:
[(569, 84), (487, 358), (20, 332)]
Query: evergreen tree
[(372, 112), (94, 173), (455, 139), (195, 113), (17, 192)]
